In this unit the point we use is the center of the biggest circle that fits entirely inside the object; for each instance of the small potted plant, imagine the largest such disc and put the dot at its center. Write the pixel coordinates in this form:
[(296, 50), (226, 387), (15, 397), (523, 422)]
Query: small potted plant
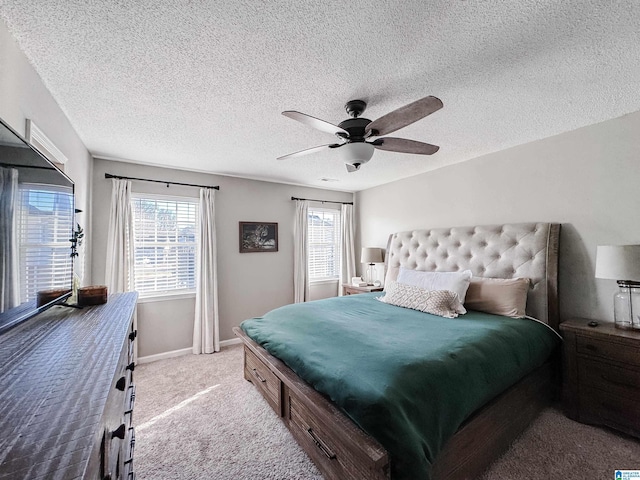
[(76, 240)]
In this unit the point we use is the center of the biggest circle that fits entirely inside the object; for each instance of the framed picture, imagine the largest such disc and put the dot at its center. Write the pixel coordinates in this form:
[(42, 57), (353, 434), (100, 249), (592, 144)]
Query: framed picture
[(258, 237)]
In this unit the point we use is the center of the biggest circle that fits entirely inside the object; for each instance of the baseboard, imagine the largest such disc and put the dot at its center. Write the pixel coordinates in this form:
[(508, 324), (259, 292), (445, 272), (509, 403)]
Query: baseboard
[(182, 351), (232, 341), (161, 356)]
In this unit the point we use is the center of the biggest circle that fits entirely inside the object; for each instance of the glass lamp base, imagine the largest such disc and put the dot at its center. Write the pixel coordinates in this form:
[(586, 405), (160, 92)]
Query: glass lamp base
[(371, 273), (626, 306)]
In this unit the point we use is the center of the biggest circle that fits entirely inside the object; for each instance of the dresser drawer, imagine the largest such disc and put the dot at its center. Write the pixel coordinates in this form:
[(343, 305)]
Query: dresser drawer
[(337, 456), (262, 377), (612, 351), (621, 413), (618, 381)]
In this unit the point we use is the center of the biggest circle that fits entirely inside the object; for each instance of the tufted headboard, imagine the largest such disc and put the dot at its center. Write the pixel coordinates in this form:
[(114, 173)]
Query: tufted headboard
[(528, 250)]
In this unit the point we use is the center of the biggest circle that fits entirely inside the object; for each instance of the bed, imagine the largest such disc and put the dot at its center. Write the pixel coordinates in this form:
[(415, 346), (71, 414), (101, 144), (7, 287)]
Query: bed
[(324, 369)]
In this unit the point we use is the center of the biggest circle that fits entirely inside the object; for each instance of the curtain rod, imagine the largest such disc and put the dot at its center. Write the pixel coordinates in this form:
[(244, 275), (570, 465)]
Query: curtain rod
[(321, 201), (108, 175)]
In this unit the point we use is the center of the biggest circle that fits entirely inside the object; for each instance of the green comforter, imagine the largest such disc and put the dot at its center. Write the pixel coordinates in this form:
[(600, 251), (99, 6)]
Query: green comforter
[(407, 378)]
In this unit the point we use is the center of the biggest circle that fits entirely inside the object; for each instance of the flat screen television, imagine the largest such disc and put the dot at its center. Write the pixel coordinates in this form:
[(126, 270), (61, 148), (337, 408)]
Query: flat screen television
[(36, 226)]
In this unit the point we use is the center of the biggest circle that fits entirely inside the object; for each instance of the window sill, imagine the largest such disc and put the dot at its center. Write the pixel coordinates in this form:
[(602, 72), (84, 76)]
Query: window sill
[(325, 281), (166, 297)]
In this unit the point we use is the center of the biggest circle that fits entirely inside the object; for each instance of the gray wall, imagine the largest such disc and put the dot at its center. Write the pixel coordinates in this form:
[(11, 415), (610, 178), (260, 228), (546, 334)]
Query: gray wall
[(23, 95), (250, 284), (587, 179)]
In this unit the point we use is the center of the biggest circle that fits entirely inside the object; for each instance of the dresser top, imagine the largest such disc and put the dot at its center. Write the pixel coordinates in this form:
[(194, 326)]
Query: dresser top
[(56, 370)]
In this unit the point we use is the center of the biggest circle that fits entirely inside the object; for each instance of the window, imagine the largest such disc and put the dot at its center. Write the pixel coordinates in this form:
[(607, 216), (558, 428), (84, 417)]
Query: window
[(45, 218), (164, 230), (323, 231)]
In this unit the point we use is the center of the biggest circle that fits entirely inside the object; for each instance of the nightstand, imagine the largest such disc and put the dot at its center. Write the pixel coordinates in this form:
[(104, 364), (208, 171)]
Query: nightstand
[(348, 289), (601, 367)]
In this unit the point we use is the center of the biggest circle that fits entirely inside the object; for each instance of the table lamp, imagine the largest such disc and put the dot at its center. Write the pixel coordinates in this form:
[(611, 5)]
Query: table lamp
[(622, 263), (371, 255)]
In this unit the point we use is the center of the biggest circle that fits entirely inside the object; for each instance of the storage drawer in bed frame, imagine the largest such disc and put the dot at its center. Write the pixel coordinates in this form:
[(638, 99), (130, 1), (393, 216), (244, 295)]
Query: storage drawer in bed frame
[(268, 384), (324, 443), (340, 449)]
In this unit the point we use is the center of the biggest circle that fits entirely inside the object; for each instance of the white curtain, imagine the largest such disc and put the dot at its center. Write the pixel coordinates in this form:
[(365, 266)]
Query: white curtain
[(206, 336), (347, 246), (9, 246), (120, 259), (300, 253)]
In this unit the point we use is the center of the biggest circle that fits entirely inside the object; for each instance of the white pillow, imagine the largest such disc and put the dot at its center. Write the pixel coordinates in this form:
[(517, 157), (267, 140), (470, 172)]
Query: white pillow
[(437, 302), (457, 282)]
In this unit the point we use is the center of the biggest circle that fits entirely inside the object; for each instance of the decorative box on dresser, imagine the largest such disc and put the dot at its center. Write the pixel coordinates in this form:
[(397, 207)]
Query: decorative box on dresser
[(602, 374), (67, 393)]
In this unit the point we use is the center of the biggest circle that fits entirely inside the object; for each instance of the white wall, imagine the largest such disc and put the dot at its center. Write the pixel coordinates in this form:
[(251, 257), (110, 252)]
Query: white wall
[(588, 180), (23, 95), (250, 284)]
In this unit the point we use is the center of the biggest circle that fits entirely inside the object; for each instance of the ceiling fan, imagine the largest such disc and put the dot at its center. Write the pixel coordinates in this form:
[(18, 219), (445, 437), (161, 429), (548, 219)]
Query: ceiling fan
[(355, 134)]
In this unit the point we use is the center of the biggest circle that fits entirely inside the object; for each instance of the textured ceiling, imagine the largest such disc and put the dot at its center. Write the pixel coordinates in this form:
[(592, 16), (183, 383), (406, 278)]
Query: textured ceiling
[(200, 85)]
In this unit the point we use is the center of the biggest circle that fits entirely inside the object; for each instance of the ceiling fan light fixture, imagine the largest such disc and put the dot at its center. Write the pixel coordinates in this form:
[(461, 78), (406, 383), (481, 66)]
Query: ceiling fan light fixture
[(356, 153)]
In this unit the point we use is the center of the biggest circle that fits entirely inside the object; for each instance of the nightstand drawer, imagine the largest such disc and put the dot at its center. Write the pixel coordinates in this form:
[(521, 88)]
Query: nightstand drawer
[(609, 350), (616, 412), (615, 380)]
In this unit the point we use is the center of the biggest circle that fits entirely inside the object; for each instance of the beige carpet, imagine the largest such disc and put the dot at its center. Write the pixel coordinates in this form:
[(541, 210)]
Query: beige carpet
[(197, 418)]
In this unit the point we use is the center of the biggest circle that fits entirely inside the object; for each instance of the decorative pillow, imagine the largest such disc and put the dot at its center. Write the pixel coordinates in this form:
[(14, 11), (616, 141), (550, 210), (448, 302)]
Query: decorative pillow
[(457, 282), (501, 296), (437, 302)]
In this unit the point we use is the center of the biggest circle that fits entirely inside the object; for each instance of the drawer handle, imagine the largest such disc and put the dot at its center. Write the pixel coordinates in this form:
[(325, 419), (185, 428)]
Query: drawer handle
[(133, 335), (131, 366), (255, 372), (120, 384), (132, 399), (132, 445), (320, 444), (119, 432)]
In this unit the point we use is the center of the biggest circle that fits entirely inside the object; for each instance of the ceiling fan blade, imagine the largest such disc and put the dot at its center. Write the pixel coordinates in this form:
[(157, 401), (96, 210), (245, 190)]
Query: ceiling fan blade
[(316, 123), (404, 116), (405, 146), (307, 151), (352, 168)]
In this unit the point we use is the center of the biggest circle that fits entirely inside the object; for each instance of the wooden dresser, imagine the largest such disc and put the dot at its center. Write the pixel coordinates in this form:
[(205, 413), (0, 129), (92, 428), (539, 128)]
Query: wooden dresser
[(602, 374), (67, 393)]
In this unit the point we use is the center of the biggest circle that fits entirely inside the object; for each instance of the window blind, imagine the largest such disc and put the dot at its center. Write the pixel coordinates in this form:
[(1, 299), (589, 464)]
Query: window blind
[(164, 244), (323, 231), (45, 225)]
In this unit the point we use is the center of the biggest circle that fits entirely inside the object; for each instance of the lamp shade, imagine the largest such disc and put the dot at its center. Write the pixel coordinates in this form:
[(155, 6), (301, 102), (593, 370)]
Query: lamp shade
[(618, 262), (371, 255)]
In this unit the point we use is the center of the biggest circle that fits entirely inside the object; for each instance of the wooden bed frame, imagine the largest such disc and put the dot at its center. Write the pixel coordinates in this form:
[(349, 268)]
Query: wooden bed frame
[(341, 450)]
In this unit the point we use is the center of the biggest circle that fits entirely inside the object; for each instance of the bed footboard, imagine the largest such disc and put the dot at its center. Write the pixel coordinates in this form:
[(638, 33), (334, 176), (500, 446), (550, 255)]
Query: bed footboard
[(487, 434), (341, 450)]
